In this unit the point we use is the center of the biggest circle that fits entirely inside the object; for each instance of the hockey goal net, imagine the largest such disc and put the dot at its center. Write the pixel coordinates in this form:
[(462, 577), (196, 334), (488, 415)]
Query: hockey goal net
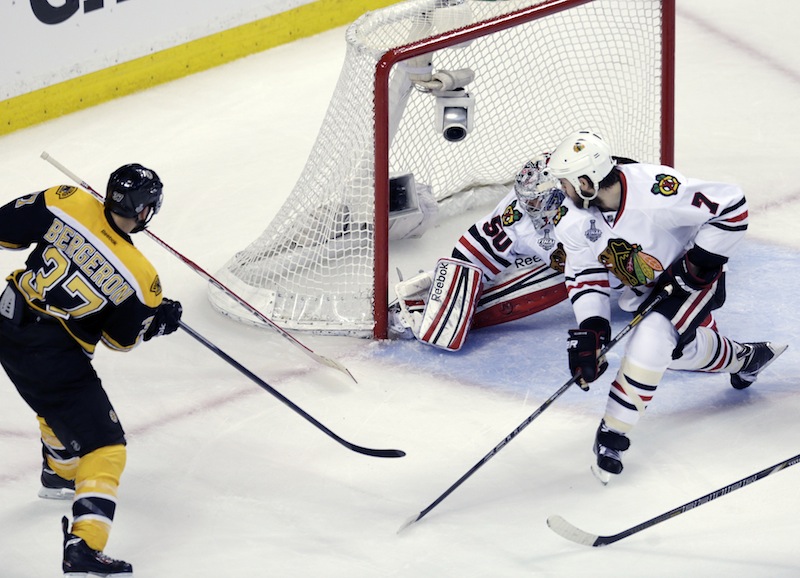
[(522, 75)]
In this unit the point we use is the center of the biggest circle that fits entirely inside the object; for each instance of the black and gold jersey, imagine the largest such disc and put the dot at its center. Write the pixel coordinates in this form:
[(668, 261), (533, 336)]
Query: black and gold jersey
[(83, 271)]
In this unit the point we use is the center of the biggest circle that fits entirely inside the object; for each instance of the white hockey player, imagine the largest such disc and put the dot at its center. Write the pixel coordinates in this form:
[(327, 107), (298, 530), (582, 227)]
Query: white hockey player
[(649, 226), (504, 267)]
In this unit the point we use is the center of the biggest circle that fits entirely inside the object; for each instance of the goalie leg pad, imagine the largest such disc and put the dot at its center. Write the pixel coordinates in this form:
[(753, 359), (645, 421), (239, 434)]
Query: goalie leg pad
[(454, 292), (520, 293)]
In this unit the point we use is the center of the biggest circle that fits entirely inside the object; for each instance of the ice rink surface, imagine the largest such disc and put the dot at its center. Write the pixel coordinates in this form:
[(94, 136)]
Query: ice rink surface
[(224, 480)]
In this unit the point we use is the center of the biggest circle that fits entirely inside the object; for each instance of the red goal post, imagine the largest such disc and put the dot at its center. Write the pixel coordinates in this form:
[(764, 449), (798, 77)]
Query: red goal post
[(541, 70)]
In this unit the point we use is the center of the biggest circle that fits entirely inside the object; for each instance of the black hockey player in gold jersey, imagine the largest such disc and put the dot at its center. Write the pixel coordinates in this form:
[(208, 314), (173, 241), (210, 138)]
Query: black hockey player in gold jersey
[(83, 282)]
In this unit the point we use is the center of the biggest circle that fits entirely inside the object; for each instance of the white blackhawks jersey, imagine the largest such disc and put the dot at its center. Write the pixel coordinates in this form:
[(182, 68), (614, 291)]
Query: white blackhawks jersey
[(662, 214), (505, 240)]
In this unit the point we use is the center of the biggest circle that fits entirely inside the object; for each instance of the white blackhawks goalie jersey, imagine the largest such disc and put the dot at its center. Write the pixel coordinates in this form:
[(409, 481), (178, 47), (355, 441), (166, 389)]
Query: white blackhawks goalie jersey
[(506, 240), (661, 215), (520, 273)]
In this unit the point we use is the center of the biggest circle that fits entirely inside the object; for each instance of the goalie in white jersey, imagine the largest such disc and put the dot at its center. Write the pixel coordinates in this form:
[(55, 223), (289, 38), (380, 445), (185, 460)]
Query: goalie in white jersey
[(504, 267), (646, 227)]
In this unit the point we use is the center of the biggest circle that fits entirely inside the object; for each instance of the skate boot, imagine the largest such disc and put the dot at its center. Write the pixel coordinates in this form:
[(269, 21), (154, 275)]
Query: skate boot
[(757, 356), (80, 561), (608, 447), (397, 328), (54, 487)]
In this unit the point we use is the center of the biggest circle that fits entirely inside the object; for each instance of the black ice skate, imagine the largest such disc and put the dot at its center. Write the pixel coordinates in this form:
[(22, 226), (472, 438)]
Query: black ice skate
[(608, 447), (757, 357), (54, 487), (396, 327), (80, 561)]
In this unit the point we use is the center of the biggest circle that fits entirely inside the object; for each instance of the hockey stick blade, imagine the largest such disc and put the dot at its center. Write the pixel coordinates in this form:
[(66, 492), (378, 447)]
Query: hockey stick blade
[(213, 280), (378, 453), (408, 522), (566, 530)]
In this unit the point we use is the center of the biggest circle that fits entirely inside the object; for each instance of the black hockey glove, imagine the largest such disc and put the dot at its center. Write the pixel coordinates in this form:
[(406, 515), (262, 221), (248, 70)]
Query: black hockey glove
[(583, 350), (695, 271), (166, 319)]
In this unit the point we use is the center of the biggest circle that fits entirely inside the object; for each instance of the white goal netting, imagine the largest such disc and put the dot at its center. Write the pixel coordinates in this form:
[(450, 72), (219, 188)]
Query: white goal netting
[(540, 70)]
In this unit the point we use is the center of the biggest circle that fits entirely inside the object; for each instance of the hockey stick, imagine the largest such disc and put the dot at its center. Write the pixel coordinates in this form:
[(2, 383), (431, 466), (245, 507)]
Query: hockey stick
[(263, 384), (566, 530), (623, 332), (211, 279)]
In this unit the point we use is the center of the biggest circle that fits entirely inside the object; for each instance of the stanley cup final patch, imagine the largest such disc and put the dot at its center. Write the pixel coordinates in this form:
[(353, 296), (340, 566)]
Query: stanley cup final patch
[(593, 233)]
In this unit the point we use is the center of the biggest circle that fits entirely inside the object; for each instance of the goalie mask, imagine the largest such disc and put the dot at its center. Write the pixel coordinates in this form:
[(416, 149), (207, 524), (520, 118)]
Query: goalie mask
[(538, 192), (582, 154), (131, 189)]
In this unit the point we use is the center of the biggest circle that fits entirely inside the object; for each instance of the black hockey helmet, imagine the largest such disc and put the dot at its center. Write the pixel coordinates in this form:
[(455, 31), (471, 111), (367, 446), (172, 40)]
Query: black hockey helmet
[(130, 189)]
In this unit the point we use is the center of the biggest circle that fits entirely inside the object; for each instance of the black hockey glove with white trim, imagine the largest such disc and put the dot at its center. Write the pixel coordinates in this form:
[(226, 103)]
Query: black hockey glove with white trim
[(166, 319), (583, 350), (695, 271)]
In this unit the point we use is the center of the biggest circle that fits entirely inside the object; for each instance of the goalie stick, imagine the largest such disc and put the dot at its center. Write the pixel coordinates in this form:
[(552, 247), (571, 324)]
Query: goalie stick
[(665, 292), (566, 530), (294, 407), (211, 279)]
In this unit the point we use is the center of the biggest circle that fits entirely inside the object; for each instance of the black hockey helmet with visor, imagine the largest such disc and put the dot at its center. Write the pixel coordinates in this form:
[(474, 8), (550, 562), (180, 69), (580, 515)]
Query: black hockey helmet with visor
[(131, 189)]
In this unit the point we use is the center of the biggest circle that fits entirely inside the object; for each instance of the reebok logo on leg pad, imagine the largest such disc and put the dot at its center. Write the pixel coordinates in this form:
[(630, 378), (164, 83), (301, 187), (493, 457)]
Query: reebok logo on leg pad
[(454, 293)]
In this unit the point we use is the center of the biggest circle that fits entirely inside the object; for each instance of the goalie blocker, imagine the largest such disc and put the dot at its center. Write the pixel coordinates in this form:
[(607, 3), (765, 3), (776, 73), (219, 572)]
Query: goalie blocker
[(440, 307)]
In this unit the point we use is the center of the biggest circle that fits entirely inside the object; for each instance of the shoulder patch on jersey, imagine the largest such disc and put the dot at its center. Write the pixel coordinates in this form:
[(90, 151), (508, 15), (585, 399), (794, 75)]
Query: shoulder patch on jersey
[(562, 210), (155, 287), (629, 263), (666, 185), (511, 215), (65, 191)]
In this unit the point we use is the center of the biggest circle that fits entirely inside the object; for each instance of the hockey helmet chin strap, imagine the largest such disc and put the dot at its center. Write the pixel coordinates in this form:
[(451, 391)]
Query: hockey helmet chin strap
[(587, 198)]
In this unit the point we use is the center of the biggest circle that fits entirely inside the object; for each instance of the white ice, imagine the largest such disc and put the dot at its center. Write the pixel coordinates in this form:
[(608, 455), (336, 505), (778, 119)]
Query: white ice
[(223, 479)]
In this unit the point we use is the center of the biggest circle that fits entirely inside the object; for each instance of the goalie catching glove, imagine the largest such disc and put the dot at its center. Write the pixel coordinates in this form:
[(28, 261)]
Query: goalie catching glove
[(583, 350), (439, 307)]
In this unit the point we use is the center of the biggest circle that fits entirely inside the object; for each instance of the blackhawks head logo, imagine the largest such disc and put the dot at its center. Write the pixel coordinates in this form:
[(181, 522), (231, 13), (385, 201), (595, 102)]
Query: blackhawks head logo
[(629, 263), (666, 185), (511, 215), (558, 258)]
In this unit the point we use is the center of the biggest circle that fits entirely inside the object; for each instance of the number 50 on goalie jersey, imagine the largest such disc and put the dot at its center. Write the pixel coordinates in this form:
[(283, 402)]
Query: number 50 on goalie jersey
[(522, 266)]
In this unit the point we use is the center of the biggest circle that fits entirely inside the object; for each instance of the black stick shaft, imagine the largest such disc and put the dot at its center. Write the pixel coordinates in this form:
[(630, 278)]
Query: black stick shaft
[(605, 540), (294, 407)]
